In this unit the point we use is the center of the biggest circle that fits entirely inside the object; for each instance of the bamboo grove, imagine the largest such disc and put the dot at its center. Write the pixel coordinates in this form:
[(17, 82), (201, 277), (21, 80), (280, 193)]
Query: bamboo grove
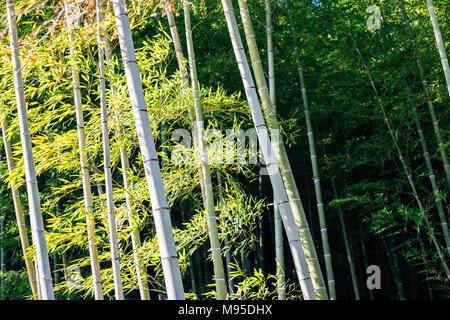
[(226, 150)]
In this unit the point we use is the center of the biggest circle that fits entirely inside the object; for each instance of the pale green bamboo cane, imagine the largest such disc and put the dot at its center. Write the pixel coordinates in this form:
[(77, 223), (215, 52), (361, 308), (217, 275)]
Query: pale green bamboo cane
[(280, 196), (20, 217), (125, 165), (186, 84), (118, 288), (430, 104), (279, 247), (283, 160), (440, 43), (315, 168), (36, 220), (431, 176), (227, 254), (87, 193), (219, 272), (160, 208)]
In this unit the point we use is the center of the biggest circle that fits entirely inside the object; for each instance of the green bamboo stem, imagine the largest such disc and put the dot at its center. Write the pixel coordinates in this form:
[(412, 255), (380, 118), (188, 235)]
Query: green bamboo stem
[(185, 86), (432, 177), (348, 249), (283, 160), (403, 163), (36, 220), (160, 207), (430, 104), (281, 198), (219, 272), (87, 193), (315, 168), (112, 228), (125, 166), (227, 253), (20, 217), (393, 266), (440, 43), (279, 246)]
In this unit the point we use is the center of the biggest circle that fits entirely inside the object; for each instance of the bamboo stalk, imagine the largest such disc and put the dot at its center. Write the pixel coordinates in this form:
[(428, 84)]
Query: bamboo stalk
[(20, 217), (279, 246), (186, 84), (440, 43), (280, 195), (87, 193), (219, 272), (281, 155), (227, 253), (315, 168), (344, 233), (430, 104), (118, 288), (168, 251), (125, 166), (36, 220)]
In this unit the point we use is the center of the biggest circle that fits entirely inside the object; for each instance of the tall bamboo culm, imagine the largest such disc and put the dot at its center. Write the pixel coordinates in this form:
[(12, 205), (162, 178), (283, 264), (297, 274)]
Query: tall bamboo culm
[(118, 290), (36, 220), (125, 166), (403, 163), (186, 83), (160, 208), (280, 195), (283, 160), (315, 168), (430, 104), (20, 217), (439, 43), (348, 249), (87, 193), (279, 247), (219, 272)]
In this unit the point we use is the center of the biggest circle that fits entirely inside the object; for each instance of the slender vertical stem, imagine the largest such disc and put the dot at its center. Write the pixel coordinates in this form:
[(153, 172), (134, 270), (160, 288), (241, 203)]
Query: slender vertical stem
[(279, 247), (186, 84), (280, 195), (36, 220), (219, 272), (282, 158), (163, 224), (93, 254), (315, 168), (118, 289), (227, 253), (344, 233), (20, 217), (125, 165), (440, 43)]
